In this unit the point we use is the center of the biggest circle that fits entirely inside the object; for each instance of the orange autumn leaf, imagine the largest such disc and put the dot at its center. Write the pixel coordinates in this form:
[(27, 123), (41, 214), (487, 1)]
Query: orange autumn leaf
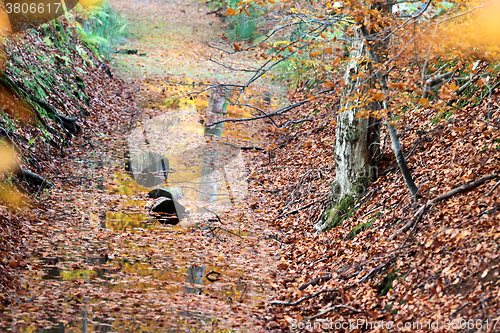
[(314, 54), (230, 12), (423, 101), (329, 84), (378, 95)]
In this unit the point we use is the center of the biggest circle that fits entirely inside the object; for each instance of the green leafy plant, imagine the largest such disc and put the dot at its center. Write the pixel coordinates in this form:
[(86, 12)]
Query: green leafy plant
[(105, 28)]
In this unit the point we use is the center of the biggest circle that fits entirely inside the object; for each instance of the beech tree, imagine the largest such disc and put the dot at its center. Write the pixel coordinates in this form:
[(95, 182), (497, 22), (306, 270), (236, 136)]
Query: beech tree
[(394, 56)]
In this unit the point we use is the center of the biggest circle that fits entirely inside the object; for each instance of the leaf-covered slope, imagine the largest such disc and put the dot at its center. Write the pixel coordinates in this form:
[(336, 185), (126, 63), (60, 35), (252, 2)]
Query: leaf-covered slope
[(57, 94), (441, 268)]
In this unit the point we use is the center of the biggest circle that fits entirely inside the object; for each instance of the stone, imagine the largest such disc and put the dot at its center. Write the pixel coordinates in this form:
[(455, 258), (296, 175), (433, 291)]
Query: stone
[(167, 192), (158, 193), (169, 210)]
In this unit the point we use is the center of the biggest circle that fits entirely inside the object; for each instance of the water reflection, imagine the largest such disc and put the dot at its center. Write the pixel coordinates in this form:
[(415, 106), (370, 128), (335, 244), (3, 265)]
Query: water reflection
[(148, 169), (176, 150)]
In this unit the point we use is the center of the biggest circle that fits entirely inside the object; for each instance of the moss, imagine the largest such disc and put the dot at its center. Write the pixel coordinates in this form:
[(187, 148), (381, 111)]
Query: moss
[(386, 284), (352, 133), (345, 204), (359, 228), (334, 217)]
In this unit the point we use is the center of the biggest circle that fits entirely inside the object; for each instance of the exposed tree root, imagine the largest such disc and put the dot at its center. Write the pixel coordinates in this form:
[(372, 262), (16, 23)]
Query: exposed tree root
[(67, 123), (33, 178)]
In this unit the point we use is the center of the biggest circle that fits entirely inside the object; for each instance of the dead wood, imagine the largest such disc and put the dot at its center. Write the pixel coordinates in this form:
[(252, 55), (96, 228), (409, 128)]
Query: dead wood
[(316, 281), (441, 197), (492, 189), (302, 299), (339, 306), (298, 209), (376, 270)]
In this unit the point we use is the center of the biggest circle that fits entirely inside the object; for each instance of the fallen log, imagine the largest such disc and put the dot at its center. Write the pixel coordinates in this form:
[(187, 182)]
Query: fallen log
[(441, 197)]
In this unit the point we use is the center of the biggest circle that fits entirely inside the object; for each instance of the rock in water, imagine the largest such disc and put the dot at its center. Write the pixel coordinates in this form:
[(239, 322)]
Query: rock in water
[(167, 192), (170, 211), (158, 193)]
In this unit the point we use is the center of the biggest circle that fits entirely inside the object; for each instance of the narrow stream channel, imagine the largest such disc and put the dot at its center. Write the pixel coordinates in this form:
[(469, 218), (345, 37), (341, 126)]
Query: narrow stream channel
[(125, 271)]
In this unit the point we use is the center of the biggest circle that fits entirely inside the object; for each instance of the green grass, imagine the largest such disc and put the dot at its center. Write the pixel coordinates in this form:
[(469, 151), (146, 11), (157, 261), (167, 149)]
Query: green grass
[(105, 28)]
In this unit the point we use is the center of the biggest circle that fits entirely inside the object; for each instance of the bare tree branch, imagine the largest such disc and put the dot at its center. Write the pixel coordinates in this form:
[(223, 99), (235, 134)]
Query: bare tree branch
[(302, 299), (441, 197), (339, 306), (277, 112)]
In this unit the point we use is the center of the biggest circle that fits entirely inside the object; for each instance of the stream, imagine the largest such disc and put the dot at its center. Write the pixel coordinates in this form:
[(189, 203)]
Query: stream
[(113, 267)]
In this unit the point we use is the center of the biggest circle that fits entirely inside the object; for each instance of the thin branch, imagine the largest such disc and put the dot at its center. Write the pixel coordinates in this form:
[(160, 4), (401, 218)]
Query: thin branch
[(441, 197), (493, 188), (295, 122), (340, 306), (376, 270), (302, 299), (256, 108), (468, 114), (277, 112), (299, 209)]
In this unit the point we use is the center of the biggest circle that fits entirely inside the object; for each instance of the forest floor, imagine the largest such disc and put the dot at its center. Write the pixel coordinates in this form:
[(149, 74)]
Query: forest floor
[(97, 261), (389, 262)]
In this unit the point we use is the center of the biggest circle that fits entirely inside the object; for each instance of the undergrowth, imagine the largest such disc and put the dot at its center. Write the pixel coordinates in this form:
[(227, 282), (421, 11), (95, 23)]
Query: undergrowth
[(105, 28)]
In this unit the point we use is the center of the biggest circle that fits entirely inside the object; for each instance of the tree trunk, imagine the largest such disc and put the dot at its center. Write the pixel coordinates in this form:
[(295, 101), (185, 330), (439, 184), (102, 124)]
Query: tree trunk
[(357, 138)]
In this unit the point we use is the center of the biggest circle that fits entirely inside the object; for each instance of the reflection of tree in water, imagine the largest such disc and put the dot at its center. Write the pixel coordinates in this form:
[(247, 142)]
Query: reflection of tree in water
[(195, 275), (191, 153), (148, 169)]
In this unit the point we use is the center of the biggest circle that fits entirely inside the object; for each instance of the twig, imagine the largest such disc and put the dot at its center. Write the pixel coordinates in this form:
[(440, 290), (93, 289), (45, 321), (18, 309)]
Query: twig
[(230, 232), (316, 281), (483, 305), (275, 113), (316, 262), (460, 308), (375, 270), (210, 211), (295, 122), (469, 115), (441, 197), (302, 299), (207, 276), (216, 11), (486, 212), (491, 191), (340, 306), (298, 209)]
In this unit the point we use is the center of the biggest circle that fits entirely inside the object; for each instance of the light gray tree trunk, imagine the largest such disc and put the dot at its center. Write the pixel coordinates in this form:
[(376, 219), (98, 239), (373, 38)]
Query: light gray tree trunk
[(357, 138)]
